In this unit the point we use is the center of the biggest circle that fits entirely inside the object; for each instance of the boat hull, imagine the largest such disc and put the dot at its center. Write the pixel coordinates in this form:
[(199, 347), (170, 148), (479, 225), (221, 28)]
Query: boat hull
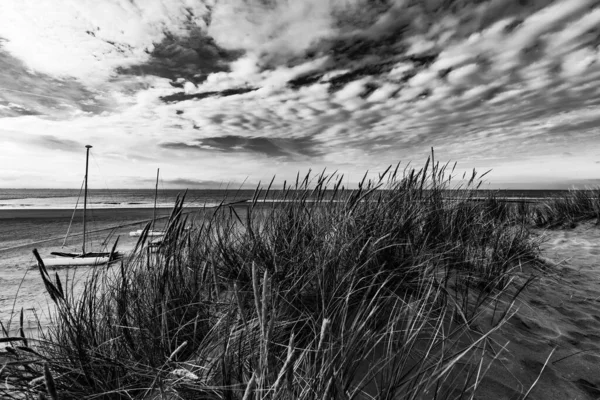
[(138, 233), (76, 261)]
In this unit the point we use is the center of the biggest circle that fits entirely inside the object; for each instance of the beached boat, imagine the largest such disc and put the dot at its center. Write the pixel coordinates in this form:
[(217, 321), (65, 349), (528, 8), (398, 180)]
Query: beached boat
[(151, 232), (64, 259)]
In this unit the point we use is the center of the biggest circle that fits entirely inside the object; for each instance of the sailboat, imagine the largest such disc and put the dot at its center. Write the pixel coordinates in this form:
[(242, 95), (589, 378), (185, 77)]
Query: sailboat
[(151, 232), (83, 258)]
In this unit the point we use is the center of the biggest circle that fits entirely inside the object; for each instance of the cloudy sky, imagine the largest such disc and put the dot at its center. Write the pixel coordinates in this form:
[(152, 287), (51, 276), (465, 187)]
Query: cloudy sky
[(226, 91)]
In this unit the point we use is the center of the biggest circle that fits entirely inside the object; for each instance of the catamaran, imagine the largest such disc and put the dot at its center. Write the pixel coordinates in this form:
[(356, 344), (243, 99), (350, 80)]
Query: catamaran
[(83, 258), (151, 232)]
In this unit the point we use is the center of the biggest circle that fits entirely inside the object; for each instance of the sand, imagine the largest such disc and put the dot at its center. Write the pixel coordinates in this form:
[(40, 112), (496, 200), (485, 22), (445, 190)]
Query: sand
[(19, 227)]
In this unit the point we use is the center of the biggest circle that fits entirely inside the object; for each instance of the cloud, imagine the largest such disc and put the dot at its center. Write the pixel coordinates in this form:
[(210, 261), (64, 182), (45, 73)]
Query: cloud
[(54, 143), (182, 96), (89, 39), (180, 183), (271, 147), (254, 86), (49, 142), (292, 29), (25, 92), (8, 109), (192, 57)]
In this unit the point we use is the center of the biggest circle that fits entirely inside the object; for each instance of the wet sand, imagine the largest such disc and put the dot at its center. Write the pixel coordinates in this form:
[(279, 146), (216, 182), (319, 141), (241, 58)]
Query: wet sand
[(103, 213)]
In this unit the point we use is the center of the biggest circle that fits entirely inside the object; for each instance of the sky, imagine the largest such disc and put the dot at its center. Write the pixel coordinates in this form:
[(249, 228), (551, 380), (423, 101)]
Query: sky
[(232, 92)]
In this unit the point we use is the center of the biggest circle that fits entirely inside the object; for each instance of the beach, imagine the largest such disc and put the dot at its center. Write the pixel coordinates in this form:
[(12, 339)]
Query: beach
[(551, 343)]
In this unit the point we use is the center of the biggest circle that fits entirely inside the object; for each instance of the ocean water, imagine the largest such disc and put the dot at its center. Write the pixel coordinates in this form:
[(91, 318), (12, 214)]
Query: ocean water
[(14, 199)]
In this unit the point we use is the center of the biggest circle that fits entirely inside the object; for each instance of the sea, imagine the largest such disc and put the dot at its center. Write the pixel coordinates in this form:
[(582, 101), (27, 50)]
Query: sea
[(24, 199)]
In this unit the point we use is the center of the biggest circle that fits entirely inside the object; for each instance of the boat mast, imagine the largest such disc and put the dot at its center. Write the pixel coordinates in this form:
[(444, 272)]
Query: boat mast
[(87, 156), (155, 195)]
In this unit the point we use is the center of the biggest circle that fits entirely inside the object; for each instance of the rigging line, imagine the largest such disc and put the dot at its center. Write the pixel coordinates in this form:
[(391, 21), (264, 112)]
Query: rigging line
[(187, 212), (73, 215), (199, 201), (156, 194), (92, 216), (49, 97), (162, 186)]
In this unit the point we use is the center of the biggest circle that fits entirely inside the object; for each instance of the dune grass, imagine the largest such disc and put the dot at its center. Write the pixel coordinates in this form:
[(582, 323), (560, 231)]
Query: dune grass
[(566, 211), (327, 293)]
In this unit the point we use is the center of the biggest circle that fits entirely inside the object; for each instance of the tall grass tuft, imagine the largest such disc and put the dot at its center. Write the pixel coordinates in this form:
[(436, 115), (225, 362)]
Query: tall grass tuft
[(566, 211), (319, 292)]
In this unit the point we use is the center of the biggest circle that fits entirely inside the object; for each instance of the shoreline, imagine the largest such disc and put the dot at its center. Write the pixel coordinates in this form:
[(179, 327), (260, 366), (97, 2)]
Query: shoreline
[(25, 228), (40, 213), (17, 223)]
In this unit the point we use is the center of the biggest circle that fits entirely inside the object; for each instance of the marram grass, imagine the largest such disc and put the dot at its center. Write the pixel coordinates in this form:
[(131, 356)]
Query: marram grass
[(327, 294), (566, 211)]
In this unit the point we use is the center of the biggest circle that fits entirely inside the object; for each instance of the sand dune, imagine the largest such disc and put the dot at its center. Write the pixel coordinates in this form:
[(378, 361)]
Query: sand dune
[(554, 337)]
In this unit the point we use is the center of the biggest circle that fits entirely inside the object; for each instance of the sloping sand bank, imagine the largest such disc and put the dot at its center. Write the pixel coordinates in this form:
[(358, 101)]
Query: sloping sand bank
[(558, 314)]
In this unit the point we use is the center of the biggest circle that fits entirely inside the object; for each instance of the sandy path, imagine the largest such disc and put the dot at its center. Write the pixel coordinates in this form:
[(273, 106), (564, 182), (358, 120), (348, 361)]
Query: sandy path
[(559, 311)]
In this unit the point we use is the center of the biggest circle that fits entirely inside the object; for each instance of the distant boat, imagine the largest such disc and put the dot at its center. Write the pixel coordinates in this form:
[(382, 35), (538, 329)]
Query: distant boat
[(63, 259), (151, 232)]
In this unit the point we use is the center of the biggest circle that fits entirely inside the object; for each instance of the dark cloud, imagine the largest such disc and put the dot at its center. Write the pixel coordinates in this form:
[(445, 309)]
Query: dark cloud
[(185, 183), (182, 96), (192, 183), (180, 146), (362, 57), (271, 147), (375, 45), (372, 49), (575, 126), (8, 109), (191, 57), (338, 82), (54, 143)]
